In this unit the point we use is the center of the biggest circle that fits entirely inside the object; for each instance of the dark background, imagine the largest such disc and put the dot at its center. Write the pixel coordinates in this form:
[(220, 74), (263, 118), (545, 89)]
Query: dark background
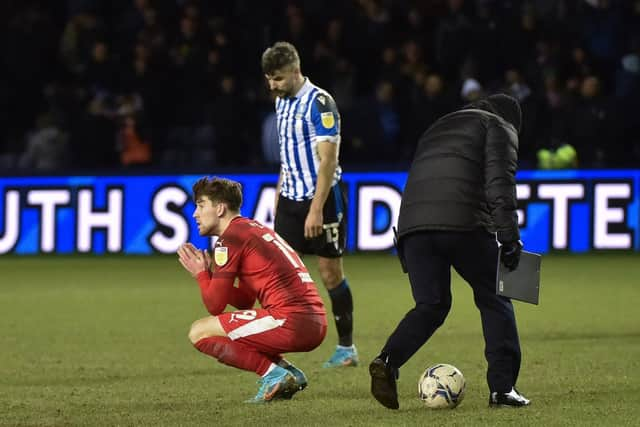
[(112, 85)]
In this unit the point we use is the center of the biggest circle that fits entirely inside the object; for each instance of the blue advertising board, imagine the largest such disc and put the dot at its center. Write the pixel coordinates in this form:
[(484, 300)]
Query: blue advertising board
[(573, 211)]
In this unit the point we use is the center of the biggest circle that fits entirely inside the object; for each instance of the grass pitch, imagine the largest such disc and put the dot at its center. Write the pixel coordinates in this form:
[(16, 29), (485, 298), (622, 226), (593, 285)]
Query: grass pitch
[(103, 341)]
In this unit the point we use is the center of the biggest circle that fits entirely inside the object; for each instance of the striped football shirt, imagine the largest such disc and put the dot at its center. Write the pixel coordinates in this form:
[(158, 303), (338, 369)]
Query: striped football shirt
[(304, 120)]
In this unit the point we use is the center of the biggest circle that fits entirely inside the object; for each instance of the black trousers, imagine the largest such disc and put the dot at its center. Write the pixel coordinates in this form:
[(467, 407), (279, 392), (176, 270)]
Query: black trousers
[(428, 257)]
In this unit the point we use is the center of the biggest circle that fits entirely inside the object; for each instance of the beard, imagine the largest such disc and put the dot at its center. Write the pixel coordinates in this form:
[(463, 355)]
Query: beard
[(281, 93), (204, 230)]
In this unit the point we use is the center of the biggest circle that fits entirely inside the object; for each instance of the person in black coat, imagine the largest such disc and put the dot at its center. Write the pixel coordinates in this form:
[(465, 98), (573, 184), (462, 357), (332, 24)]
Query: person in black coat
[(458, 206)]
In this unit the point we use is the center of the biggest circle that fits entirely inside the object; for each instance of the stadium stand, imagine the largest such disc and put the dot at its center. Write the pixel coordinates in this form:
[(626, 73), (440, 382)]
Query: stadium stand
[(130, 84)]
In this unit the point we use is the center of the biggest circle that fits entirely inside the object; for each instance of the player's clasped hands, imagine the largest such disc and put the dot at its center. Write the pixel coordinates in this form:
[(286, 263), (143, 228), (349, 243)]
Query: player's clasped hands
[(193, 259)]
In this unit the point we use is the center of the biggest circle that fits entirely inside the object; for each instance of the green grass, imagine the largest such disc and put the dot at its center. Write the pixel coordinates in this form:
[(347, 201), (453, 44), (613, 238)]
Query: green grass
[(103, 341)]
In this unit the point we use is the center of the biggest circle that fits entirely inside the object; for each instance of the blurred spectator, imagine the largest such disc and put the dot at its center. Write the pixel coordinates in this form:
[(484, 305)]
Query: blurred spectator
[(152, 34), (579, 65), (413, 65), (632, 21), (331, 64), (134, 151), (93, 135), (471, 91), (378, 126), (79, 36), (131, 139), (270, 147), (47, 147), (187, 62), (517, 87), (431, 102), (132, 20), (389, 68), (393, 67), (296, 31), (627, 96), (28, 37), (82, 6), (371, 30), (100, 74), (554, 113), (603, 33), (592, 131), (452, 38), (228, 115), (388, 117), (521, 36), (487, 35)]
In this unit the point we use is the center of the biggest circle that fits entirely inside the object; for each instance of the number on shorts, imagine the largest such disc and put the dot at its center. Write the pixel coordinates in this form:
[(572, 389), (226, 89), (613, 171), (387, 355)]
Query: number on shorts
[(243, 315)]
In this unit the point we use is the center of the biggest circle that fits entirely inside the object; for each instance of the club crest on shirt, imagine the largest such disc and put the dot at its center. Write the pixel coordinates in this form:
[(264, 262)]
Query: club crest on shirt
[(327, 119), (221, 255)]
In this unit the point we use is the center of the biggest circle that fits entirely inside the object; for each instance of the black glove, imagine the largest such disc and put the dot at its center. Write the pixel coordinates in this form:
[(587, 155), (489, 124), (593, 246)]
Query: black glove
[(511, 254)]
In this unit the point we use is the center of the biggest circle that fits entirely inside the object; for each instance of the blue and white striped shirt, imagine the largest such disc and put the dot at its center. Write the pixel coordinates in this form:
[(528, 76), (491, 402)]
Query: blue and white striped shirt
[(306, 119)]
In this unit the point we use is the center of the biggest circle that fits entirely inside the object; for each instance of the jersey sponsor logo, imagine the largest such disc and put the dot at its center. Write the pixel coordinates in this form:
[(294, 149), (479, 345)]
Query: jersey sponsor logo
[(322, 100), (327, 120), (221, 255)]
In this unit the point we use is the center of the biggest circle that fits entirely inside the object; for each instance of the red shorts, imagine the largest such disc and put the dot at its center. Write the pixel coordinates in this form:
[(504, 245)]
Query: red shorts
[(275, 332)]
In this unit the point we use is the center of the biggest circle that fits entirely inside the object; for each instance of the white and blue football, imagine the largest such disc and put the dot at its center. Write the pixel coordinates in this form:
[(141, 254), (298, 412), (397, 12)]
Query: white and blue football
[(441, 386)]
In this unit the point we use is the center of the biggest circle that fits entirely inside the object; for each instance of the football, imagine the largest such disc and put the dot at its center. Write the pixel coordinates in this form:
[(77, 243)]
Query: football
[(441, 386)]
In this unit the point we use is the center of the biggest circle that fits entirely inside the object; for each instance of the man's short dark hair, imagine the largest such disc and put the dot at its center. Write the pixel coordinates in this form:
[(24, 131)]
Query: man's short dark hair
[(279, 56), (219, 190)]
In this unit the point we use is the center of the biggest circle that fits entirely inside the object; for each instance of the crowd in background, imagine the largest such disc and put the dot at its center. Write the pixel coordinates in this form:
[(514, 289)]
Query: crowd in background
[(111, 84)]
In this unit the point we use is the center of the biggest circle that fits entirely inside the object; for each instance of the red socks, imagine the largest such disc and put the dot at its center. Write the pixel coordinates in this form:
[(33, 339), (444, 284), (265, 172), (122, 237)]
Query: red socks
[(236, 354)]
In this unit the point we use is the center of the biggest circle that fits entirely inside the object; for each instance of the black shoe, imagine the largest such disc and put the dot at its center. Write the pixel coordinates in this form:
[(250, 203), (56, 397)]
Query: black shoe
[(512, 399), (383, 383)]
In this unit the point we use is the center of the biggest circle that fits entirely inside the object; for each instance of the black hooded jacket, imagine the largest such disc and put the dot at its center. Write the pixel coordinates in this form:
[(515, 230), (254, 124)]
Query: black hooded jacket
[(463, 172)]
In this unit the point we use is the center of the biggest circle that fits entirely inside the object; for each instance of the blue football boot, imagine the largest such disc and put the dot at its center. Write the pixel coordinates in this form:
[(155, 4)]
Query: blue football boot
[(277, 384), (343, 356), (301, 381)]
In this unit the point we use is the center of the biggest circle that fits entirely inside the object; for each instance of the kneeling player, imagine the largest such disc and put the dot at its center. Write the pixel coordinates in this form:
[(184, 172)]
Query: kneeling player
[(292, 317)]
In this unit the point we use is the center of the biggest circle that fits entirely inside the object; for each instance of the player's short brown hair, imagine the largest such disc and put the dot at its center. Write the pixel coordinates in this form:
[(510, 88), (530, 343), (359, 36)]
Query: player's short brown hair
[(219, 190), (279, 56)]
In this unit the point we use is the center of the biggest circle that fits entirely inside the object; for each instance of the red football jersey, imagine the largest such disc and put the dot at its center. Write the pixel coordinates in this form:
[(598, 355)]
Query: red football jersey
[(268, 270)]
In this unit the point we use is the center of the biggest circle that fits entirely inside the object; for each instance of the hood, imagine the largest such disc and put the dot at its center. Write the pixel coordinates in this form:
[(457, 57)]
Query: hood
[(502, 105)]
